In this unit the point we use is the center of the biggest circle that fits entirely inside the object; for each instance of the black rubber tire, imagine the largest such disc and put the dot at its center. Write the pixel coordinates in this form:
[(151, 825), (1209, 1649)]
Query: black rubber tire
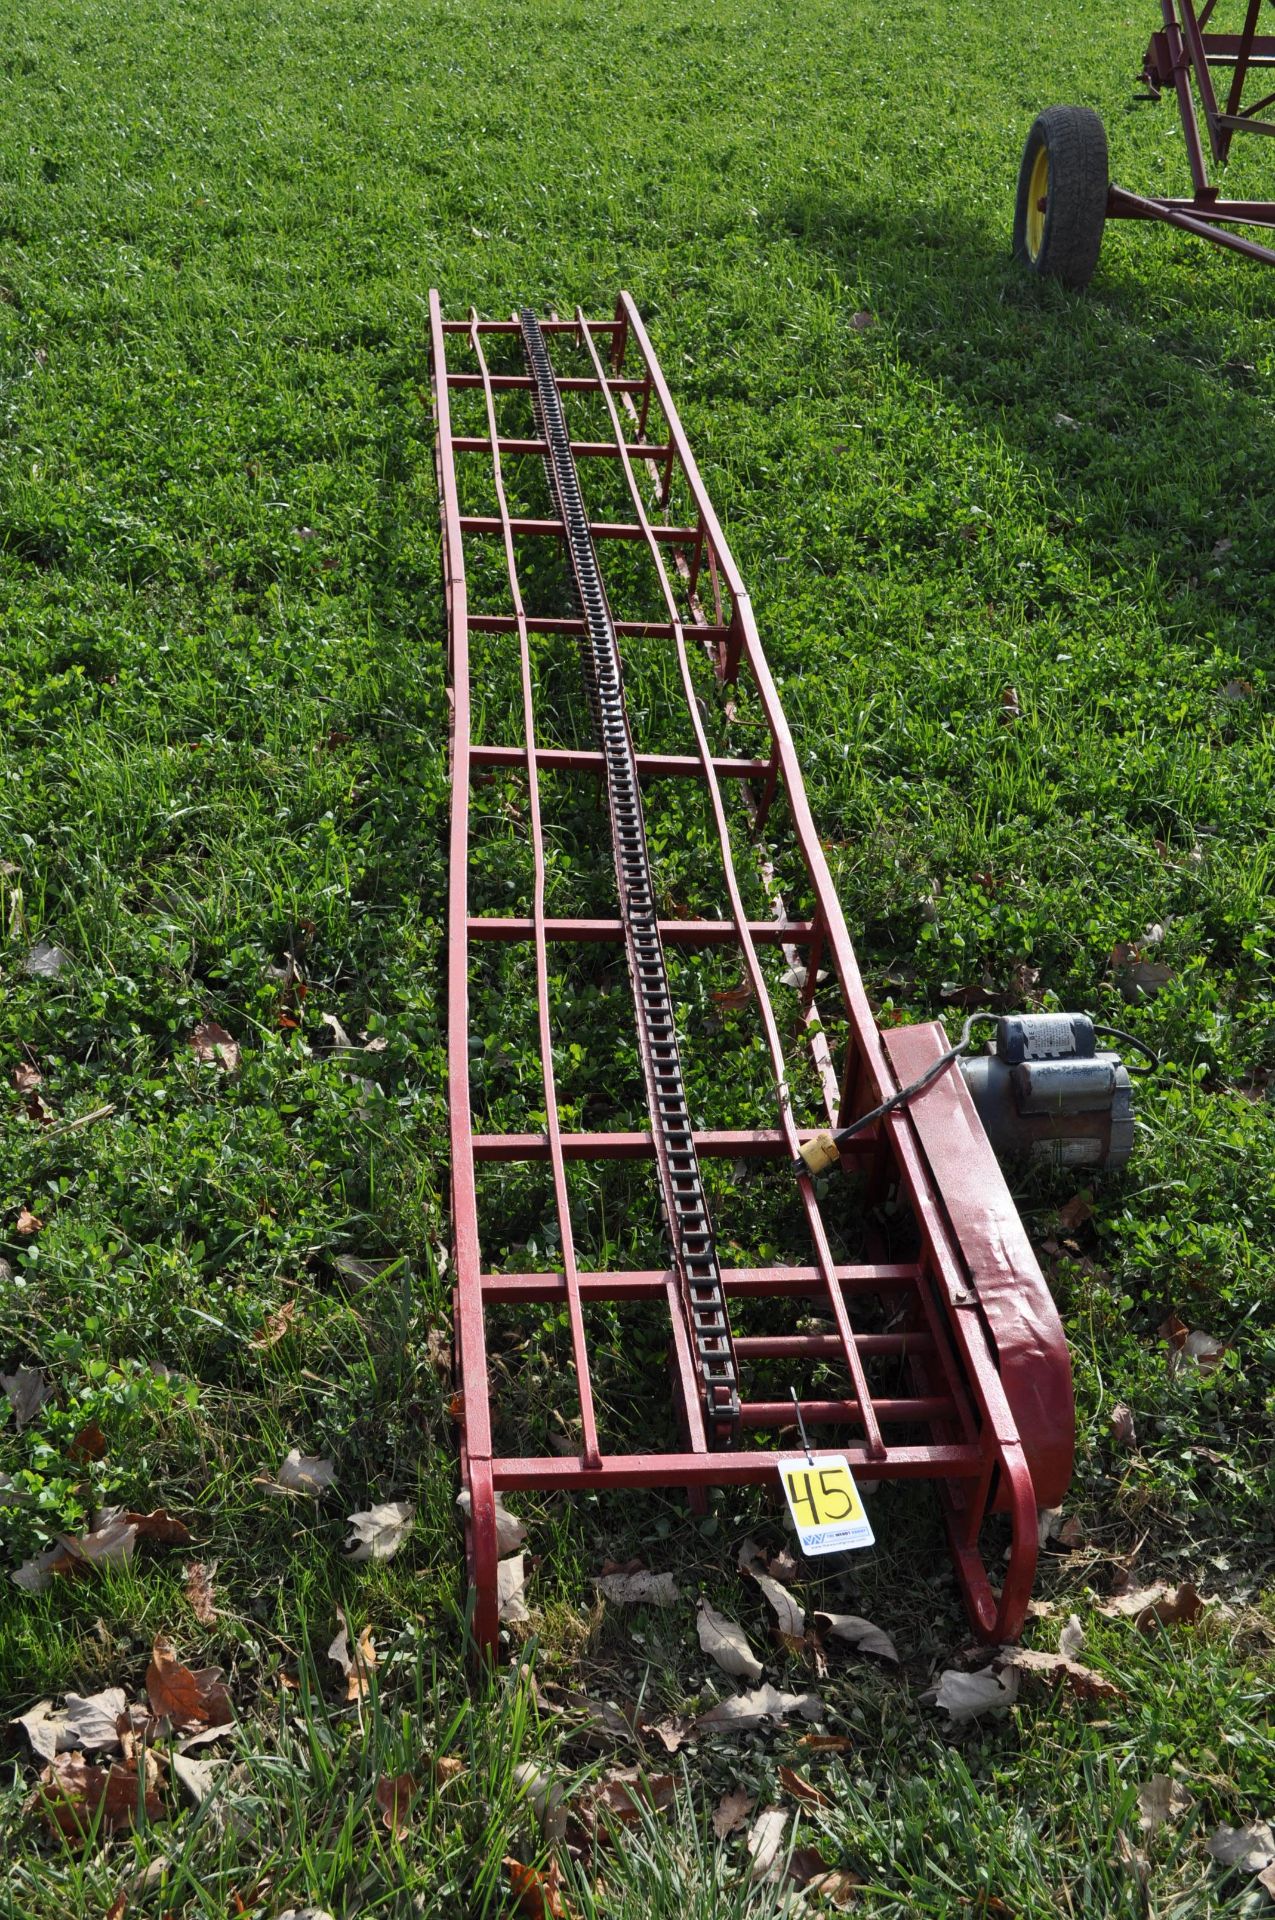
[(1075, 144)]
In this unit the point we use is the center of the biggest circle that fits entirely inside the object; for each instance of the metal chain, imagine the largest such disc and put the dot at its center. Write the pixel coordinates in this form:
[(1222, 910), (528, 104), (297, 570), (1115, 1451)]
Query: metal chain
[(685, 1203)]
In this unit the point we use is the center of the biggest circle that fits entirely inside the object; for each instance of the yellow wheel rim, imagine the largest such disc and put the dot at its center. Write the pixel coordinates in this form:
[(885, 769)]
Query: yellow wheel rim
[(1037, 201)]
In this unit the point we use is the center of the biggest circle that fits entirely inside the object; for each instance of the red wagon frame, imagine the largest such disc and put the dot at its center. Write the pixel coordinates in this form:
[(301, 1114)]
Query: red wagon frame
[(1184, 56), (982, 1395)]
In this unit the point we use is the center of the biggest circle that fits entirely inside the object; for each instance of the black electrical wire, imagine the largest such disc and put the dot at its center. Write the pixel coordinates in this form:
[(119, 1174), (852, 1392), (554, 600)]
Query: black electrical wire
[(1131, 1040), (910, 1092)]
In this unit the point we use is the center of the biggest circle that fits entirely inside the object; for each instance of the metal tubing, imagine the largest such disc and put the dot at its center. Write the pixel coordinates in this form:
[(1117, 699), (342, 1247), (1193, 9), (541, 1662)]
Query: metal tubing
[(553, 1124)]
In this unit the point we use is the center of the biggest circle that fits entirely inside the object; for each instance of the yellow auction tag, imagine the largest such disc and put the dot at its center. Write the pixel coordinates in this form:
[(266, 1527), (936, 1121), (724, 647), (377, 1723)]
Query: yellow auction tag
[(825, 1504)]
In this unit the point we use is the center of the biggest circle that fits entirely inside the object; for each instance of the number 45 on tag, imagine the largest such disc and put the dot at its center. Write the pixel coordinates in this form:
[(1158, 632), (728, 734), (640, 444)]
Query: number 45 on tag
[(825, 1504)]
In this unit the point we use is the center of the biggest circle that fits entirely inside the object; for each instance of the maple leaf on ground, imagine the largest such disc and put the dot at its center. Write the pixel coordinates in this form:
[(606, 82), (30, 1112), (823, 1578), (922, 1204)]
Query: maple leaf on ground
[(187, 1698), (273, 1327), (89, 1444), (537, 1895), (731, 1812), (1158, 1605), (27, 1390), (380, 1532), (858, 1633), (1247, 1849), (626, 1791), (213, 1046), (802, 1789), (356, 1666), (396, 1798), (765, 1839), (72, 1791), (1082, 1681), (511, 1575), (196, 1777), (964, 1696), (1162, 1801), (546, 1795), (301, 1473), (84, 1722), (743, 1711), (790, 1615), (510, 1531)]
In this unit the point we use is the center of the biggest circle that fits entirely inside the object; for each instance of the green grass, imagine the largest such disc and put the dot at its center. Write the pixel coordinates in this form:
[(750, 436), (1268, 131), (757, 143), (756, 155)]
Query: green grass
[(223, 722)]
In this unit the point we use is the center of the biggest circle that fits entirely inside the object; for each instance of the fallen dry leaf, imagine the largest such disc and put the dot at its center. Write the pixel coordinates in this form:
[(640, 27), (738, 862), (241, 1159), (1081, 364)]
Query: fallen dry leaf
[(273, 1328), (861, 1634), (1123, 1429), (301, 1473), (87, 1722), (28, 1223), (1162, 1801), (72, 1792), (839, 1887), (641, 1588), (215, 1047), (826, 1742), (536, 1894), (790, 1615), (510, 1531), (110, 1542), (1082, 1681), (396, 1798), (1247, 1849), (725, 1642), (804, 1865), (1072, 1637), (626, 1791), (732, 997), (511, 1575), (356, 1666), (743, 1711), (36, 1574), (800, 1789), (27, 1390), (89, 1444), (1158, 1605), (380, 1532), (196, 1777), (731, 1812), (446, 1767), (964, 1696), (198, 1589), (187, 1698), (44, 961), (546, 1796), (159, 1526), (1074, 1212), (765, 1838)]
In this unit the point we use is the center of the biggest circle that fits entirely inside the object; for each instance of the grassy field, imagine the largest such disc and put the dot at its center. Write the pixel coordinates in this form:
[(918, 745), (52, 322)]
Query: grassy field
[(223, 763)]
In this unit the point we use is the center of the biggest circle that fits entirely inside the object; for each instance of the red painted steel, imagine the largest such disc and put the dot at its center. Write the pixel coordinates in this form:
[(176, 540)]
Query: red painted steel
[(923, 1367), (1184, 55)]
